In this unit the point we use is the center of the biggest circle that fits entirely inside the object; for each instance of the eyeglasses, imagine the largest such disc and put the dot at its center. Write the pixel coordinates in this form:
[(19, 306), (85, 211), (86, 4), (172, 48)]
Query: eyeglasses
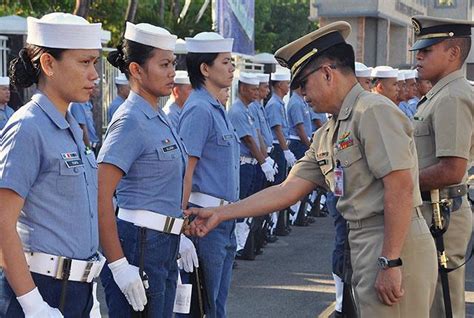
[(304, 80)]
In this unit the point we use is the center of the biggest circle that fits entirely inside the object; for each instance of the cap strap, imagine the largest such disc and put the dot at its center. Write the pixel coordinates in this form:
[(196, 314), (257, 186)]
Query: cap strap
[(303, 59), (435, 35)]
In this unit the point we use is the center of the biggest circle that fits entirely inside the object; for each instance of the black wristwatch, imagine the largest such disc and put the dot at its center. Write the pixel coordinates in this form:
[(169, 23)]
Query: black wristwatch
[(385, 263)]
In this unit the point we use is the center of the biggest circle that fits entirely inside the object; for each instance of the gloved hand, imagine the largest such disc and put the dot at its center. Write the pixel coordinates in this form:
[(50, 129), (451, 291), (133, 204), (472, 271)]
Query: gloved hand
[(127, 278), (187, 251), (34, 306), (290, 157), (268, 171), (272, 163)]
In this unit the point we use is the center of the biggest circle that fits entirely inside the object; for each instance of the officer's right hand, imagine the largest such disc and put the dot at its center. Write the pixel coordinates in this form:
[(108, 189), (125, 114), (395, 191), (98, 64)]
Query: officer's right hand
[(389, 285), (34, 306), (268, 171), (206, 220), (127, 278), (290, 157)]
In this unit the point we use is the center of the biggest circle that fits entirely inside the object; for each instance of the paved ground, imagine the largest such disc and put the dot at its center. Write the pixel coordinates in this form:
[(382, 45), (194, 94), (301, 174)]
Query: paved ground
[(293, 278)]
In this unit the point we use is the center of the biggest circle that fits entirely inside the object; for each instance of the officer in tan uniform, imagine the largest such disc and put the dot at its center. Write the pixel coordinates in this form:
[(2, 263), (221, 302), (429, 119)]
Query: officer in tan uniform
[(444, 139), (366, 155)]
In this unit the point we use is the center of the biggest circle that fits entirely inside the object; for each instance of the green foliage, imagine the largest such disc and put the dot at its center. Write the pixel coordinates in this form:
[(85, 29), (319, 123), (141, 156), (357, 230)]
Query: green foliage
[(279, 22)]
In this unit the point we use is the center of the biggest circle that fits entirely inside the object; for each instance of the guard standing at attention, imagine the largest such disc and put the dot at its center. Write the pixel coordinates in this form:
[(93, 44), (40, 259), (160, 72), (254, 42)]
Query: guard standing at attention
[(180, 93), (5, 111), (123, 89), (48, 179), (444, 137)]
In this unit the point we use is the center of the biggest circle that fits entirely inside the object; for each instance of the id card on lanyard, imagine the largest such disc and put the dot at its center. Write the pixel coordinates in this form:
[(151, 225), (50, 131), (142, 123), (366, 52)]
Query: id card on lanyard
[(338, 180)]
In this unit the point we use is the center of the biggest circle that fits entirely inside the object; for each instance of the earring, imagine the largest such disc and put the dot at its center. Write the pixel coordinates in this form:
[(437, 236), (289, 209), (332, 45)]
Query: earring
[(50, 74)]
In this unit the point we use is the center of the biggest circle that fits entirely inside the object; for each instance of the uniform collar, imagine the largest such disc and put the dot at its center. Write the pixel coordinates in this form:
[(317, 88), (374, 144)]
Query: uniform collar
[(349, 102), (176, 107), (3, 107), (204, 93), (443, 82), (142, 104), (51, 111), (239, 104), (277, 98), (298, 97)]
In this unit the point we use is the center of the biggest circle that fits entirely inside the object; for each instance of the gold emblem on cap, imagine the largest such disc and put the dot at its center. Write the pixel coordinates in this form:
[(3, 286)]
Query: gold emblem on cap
[(416, 26)]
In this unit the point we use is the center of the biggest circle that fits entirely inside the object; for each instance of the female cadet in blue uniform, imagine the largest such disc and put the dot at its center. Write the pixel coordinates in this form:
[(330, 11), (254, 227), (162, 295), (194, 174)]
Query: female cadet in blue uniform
[(212, 176), (48, 180), (142, 160), (5, 111)]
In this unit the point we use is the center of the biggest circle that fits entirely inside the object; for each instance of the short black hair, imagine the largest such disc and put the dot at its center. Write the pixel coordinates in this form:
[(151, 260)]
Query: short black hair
[(128, 52), (342, 55), (193, 63), (25, 69), (464, 46)]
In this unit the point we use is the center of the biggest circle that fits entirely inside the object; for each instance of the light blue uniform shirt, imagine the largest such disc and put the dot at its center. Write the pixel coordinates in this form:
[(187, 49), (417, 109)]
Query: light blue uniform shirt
[(82, 112), (114, 106), (276, 115), (412, 105), (44, 160), (258, 112), (245, 125), (141, 143), (209, 135), (298, 113), (5, 113), (314, 115), (405, 108), (173, 111)]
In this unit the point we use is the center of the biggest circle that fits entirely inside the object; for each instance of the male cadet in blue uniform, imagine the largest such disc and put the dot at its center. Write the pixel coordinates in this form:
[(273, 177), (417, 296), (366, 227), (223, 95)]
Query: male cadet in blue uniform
[(411, 93), (386, 82), (276, 117), (250, 155), (5, 111), (84, 116), (299, 121), (123, 89), (444, 140), (258, 111), (180, 93), (364, 75)]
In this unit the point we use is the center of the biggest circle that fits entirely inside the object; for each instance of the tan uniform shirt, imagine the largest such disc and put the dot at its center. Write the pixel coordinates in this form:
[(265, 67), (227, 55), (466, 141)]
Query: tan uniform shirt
[(370, 138), (444, 122)]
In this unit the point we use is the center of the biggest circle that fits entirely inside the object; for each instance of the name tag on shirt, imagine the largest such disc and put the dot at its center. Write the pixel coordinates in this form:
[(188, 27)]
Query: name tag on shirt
[(74, 163), (170, 148), (227, 137)]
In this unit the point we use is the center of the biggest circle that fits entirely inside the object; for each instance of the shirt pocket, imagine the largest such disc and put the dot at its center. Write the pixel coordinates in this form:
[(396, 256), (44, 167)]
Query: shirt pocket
[(70, 180), (423, 139), (226, 139), (168, 152), (356, 172), (349, 156)]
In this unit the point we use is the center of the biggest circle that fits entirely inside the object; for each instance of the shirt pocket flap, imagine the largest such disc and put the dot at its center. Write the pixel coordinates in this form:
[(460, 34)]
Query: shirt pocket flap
[(422, 129), (168, 152), (74, 168), (348, 156), (225, 139)]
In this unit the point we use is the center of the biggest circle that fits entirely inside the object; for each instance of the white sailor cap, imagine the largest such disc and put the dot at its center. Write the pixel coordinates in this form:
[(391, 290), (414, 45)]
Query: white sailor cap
[(409, 74), (4, 81), (181, 78), (121, 79), (400, 76), (263, 78), (384, 72), (209, 42), (361, 70), (150, 35), (249, 78), (64, 31), (281, 76), (180, 47)]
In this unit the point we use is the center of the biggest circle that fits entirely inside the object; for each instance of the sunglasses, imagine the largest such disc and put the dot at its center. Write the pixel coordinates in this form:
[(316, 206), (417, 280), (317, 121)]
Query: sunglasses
[(304, 80)]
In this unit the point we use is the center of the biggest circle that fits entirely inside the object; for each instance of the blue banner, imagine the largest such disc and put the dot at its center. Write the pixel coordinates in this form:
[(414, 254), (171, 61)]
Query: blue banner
[(235, 19)]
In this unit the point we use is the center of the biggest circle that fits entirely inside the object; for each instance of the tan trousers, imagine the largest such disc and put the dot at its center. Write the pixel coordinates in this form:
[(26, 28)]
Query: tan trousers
[(419, 273), (456, 240)]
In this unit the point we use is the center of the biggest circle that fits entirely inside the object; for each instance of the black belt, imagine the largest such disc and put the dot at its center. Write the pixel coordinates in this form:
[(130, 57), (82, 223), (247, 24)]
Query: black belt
[(446, 193)]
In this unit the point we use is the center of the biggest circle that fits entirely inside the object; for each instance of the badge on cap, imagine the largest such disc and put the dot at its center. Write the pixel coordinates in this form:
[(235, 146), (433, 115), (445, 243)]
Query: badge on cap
[(416, 26)]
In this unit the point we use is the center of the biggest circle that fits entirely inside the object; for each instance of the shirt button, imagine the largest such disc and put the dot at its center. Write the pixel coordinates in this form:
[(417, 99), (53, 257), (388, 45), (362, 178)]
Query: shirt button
[(76, 170), (346, 162)]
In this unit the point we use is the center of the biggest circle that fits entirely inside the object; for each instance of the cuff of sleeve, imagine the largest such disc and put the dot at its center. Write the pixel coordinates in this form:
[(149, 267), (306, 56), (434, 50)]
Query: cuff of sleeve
[(20, 189), (116, 162), (452, 153)]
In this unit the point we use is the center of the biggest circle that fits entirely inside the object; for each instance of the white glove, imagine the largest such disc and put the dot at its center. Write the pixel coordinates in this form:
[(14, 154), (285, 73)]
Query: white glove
[(272, 163), (127, 278), (187, 251), (290, 157), (34, 306), (268, 171)]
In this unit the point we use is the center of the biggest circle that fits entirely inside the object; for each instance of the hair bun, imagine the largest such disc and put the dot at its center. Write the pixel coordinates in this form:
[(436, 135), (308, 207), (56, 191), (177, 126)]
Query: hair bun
[(22, 71), (116, 58)]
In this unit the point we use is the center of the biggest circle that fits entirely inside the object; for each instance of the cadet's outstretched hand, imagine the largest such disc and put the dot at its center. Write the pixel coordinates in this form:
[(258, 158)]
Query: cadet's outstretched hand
[(206, 219), (389, 285)]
